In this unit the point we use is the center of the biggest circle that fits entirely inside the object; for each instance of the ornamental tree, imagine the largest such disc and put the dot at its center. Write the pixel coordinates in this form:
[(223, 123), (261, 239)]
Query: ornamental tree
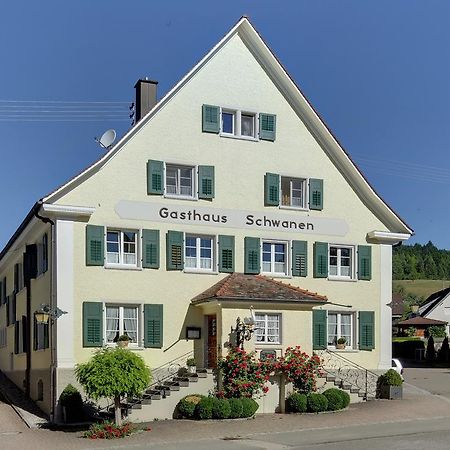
[(113, 373)]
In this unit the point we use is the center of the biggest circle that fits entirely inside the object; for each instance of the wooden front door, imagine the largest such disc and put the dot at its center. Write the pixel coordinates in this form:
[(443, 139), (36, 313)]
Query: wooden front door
[(212, 341)]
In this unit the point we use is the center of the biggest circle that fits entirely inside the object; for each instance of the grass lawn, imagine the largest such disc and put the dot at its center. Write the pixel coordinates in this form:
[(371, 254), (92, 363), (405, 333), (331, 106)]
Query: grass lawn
[(423, 288)]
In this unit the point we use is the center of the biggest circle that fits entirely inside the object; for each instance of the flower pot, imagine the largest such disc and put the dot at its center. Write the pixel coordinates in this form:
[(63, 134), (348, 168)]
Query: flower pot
[(391, 392), (340, 346), (192, 369), (122, 344)]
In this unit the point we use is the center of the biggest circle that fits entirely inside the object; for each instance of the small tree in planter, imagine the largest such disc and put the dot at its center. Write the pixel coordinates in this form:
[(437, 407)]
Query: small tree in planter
[(113, 373), (389, 385)]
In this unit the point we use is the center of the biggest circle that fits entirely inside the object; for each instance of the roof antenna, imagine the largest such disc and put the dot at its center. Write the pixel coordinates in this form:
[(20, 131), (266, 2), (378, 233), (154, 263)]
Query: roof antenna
[(107, 139)]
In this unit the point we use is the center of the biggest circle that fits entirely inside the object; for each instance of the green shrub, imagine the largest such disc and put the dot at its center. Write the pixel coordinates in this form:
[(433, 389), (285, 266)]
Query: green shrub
[(296, 403), (430, 354), (235, 408), (437, 331), (407, 349), (71, 399), (444, 351), (249, 407), (203, 409), (345, 398), (221, 408), (390, 378), (335, 399), (316, 402), (186, 406)]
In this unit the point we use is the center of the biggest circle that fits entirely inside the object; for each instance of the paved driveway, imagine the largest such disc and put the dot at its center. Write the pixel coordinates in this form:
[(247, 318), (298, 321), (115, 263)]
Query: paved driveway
[(10, 422), (434, 380)]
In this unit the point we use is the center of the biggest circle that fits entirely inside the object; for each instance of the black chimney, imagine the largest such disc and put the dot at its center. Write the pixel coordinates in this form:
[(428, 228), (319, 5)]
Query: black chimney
[(145, 97)]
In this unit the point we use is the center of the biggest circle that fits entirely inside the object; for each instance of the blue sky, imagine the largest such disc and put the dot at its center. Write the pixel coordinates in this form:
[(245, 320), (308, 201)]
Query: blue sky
[(377, 72)]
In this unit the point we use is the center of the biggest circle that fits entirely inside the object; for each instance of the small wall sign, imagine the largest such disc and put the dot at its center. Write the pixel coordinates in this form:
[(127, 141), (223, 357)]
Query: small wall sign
[(264, 355), (193, 332)]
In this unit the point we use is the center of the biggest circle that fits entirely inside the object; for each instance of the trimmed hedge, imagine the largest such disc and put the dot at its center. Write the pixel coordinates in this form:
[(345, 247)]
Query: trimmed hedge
[(345, 398), (297, 403), (249, 407), (316, 402), (186, 406), (203, 409), (406, 349), (221, 408), (235, 408), (335, 399)]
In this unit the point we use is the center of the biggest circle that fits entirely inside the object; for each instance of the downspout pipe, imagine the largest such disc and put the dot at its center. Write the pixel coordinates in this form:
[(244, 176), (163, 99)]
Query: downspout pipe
[(36, 210)]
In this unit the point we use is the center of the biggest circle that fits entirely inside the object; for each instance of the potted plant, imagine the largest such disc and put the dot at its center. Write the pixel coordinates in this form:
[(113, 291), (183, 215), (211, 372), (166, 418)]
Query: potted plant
[(192, 367), (340, 343), (389, 385), (123, 340)]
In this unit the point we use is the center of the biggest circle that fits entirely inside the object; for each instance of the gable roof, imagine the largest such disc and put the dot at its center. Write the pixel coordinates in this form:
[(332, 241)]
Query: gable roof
[(300, 105), (238, 286), (433, 301)]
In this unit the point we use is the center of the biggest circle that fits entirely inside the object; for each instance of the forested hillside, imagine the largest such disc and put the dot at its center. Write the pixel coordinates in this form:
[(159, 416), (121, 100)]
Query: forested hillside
[(420, 262)]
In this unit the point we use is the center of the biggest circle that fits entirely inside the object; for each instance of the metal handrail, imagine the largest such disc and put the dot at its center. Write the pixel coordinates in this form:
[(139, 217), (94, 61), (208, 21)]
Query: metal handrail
[(348, 371), (169, 369)]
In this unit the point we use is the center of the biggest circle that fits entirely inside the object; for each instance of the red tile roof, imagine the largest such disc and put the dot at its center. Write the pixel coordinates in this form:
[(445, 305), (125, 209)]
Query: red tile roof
[(421, 321), (238, 286)]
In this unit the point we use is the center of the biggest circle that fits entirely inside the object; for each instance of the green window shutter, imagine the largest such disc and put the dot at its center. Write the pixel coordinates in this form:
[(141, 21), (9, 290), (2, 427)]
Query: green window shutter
[(315, 194), (4, 290), (155, 177), (364, 262), (35, 331), (153, 326), (150, 249), (210, 119), (267, 126), (46, 339), (320, 260), (205, 181), (92, 324), (174, 256), (299, 258), (252, 255), (16, 336), (319, 329), (1, 293), (366, 330), (95, 245), (271, 189), (226, 254)]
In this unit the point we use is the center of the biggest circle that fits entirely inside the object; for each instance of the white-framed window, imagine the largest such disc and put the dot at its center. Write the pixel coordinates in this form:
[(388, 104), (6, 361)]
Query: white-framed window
[(341, 325), (341, 261), (121, 247), (267, 328), (122, 319), (275, 257), (199, 252), (238, 123), (293, 192), (180, 180)]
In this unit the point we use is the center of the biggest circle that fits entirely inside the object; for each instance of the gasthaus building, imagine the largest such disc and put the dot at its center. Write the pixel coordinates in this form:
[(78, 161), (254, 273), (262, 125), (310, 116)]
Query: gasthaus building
[(228, 198)]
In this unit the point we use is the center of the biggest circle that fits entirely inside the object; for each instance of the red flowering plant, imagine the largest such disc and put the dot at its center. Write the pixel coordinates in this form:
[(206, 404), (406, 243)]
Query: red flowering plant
[(242, 374), (299, 368), (108, 430)]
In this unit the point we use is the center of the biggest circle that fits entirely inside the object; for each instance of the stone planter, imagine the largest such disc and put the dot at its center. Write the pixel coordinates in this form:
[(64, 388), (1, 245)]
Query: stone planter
[(391, 392), (340, 346), (122, 344), (192, 369)]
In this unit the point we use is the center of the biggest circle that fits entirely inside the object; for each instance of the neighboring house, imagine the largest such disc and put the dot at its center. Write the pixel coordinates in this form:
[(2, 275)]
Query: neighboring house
[(397, 306), (230, 196), (437, 306), (421, 324)]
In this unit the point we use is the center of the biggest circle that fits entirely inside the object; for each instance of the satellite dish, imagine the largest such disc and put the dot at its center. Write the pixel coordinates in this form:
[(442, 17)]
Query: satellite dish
[(107, 139)]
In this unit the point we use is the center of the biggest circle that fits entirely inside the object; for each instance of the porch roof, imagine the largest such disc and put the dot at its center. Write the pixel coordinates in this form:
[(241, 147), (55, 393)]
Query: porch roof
[(238, 286), (418, 320)]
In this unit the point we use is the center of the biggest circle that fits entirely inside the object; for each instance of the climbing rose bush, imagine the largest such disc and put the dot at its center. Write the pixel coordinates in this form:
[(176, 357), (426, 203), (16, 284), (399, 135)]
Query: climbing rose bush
[(245, 376), (242, 374)]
